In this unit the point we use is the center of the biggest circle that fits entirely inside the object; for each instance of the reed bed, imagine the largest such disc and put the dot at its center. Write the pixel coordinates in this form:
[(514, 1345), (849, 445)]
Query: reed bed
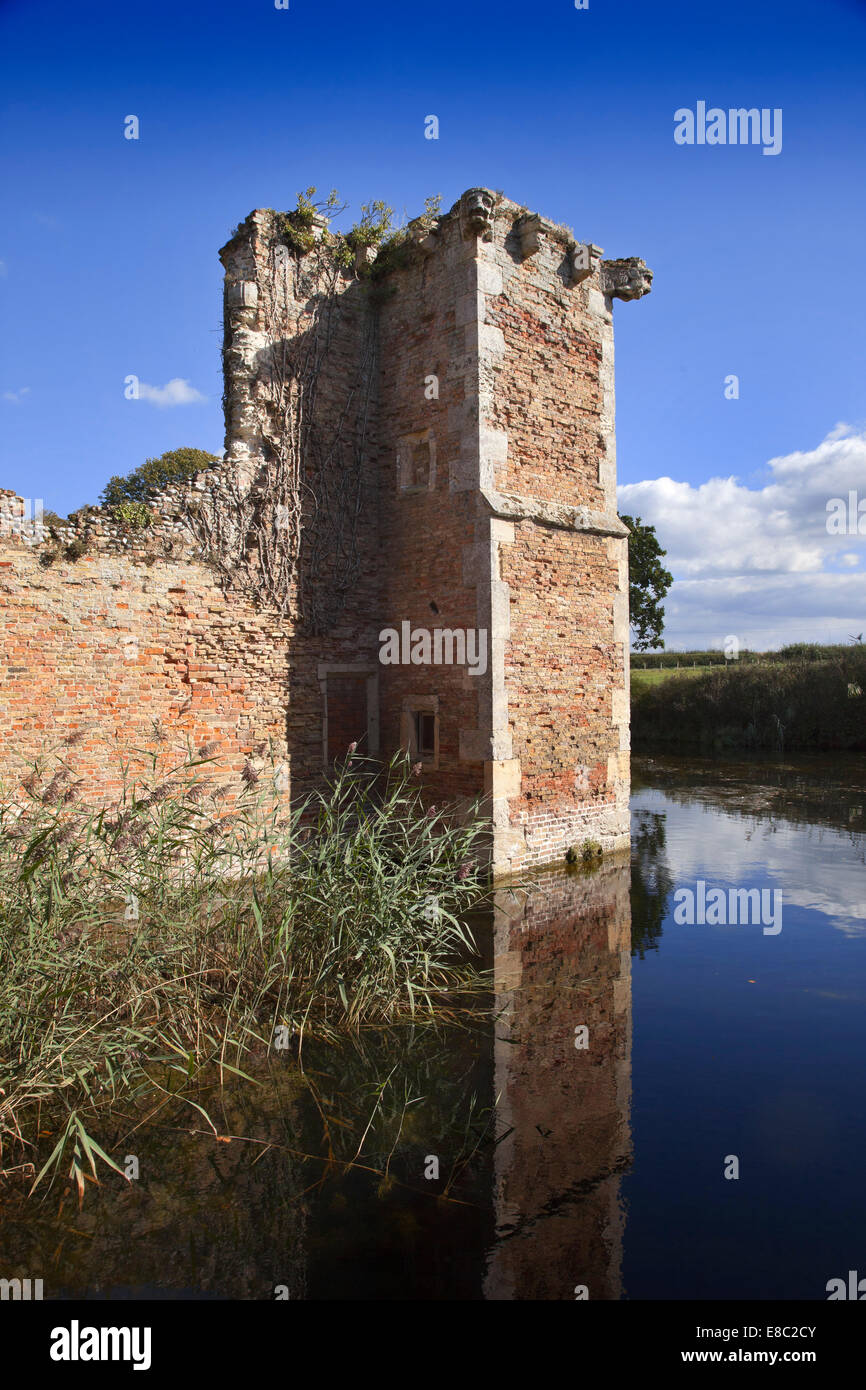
[(147, 948)]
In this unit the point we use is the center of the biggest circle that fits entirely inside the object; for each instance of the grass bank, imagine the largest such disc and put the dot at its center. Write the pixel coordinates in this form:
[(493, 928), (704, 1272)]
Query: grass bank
[(147, 949), (801, 699), (641, 679)]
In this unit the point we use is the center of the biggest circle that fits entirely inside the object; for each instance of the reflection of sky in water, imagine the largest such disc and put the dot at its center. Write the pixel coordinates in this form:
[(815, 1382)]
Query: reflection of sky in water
[(814, 866), (748, 1044)]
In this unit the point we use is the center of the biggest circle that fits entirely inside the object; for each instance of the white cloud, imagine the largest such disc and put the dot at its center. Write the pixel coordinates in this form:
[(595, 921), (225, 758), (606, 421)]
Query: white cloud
[(839, 431), (759, 563), (175, 392), (16, 396), (4, 269)]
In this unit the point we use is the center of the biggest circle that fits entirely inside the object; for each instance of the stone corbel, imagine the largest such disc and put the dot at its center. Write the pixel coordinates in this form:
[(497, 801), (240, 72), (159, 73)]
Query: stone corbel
[(425, 238), (584, 259), (242, 294), (476, 213), (529, 232), (629, 278)]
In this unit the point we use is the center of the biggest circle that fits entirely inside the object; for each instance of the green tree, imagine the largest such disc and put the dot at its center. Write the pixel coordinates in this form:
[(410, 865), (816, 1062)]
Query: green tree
[(648, 582), (155, 474)]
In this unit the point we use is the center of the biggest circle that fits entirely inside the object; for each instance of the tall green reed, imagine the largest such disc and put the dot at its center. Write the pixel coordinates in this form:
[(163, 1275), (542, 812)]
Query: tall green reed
[(182, 934)]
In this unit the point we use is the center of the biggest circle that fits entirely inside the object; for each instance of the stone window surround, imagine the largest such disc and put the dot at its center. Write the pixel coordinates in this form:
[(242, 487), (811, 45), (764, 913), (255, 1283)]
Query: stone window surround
[(419, 704), (371, 672)]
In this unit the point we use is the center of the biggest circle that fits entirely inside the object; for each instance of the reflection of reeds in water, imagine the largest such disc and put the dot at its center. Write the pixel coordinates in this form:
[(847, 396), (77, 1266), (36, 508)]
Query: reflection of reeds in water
[(396, 1092), (144, 946), (309, 1158)]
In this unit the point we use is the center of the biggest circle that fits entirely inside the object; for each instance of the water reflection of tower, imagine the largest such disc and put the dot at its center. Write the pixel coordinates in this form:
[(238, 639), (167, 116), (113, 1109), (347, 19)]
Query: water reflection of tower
[(561, 962)]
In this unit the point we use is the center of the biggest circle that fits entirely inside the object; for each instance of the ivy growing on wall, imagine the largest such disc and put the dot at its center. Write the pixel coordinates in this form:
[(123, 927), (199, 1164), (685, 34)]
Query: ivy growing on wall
[(289, 536)]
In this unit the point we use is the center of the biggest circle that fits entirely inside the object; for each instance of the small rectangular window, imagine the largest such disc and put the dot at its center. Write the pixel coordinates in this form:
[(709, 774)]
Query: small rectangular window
[(425, 734)]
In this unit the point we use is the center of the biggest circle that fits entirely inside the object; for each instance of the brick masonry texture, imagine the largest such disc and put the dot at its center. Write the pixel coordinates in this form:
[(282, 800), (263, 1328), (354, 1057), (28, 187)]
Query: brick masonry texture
[(562, 960), (457, 472), (108, 646)]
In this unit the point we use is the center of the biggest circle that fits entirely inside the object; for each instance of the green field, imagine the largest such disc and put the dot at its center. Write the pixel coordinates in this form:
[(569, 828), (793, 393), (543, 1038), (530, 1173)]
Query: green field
[(641, 679)]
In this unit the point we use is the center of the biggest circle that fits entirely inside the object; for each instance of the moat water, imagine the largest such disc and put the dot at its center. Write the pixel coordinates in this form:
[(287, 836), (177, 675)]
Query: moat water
[(588, 1139)]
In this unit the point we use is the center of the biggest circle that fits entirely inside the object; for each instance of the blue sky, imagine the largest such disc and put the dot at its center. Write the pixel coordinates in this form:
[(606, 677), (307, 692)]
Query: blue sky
[(108, 247)]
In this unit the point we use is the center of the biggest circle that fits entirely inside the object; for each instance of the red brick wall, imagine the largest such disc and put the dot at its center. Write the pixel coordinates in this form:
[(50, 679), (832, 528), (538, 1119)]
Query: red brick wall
[(347, 715), (424, 535), (562, 665), (106, 645), (547, 394), (549, 410)]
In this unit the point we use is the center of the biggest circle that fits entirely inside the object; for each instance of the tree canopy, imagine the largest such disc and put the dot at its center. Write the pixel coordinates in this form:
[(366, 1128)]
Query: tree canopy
[(154, 474), (648, 582)]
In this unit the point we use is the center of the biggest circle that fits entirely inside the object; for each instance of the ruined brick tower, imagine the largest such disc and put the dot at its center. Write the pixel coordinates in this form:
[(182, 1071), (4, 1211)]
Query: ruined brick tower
[(412, 541), (466, 509)]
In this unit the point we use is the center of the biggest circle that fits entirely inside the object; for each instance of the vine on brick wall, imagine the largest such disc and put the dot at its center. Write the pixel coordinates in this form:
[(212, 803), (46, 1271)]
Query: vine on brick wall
[(290, 536)]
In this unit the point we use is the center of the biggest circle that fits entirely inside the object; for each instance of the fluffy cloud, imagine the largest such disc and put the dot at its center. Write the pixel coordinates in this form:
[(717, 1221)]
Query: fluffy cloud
[(175, 392), (759, 563), (16, 396)]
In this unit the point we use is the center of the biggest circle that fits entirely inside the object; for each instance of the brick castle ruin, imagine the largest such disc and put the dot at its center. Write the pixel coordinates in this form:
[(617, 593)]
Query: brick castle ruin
[(412, 540)]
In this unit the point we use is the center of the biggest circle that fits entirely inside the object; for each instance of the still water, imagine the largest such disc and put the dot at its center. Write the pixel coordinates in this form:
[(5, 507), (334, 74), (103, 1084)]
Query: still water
[(579, 1142)]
